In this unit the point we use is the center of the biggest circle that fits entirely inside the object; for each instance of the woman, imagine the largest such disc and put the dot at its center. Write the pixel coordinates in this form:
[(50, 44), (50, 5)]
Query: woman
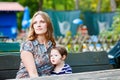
[(35, 50)]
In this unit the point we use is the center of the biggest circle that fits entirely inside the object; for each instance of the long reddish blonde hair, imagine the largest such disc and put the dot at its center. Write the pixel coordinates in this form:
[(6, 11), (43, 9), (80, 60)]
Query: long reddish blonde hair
[(49, 34)]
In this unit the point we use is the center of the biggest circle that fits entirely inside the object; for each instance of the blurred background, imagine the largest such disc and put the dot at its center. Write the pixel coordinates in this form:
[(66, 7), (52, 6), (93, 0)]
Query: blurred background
[(88, 24)]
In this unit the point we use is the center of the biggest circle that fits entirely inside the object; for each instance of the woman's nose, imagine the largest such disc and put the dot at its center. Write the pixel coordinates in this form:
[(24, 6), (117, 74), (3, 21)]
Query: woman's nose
[(38, 24)]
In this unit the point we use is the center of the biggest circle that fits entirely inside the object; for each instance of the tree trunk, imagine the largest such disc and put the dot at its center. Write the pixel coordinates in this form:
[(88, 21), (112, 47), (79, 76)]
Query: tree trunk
[(40, 4), (65, 5), (76, 4), (53, 5), (113, 5), (99, 5)]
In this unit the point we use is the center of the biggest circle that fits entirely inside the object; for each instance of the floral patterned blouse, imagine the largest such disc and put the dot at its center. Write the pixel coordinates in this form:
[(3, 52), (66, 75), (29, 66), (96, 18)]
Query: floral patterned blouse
[(41, 57)]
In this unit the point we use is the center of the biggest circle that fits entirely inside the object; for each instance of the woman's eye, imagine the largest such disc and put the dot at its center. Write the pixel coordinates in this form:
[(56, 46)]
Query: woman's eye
[(34, 22), (42, 21)]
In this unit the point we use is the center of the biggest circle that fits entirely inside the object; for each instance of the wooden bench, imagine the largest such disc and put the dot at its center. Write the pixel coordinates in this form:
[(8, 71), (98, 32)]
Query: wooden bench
[(80, 62)]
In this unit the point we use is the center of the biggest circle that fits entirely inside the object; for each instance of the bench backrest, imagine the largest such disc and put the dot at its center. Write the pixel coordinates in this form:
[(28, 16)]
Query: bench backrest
[(88, 61)]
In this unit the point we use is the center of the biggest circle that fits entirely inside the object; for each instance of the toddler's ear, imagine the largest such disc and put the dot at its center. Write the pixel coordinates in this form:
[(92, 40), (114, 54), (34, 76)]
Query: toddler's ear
[(63, 57)]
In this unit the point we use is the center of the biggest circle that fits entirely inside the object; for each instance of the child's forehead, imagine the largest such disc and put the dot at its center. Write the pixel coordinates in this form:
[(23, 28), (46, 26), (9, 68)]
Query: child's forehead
[(54, 50)]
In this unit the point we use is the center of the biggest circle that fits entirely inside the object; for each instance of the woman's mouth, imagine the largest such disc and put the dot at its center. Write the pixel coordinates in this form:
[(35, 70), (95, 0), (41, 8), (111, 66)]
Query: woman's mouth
[(39, 29)]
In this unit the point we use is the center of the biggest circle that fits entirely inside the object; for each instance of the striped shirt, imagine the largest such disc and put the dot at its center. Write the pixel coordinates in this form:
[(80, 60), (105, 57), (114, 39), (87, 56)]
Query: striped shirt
[(65, 70)]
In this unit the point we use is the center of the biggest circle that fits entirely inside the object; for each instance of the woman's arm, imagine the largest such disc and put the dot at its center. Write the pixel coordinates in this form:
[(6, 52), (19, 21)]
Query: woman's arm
[(28, 61)]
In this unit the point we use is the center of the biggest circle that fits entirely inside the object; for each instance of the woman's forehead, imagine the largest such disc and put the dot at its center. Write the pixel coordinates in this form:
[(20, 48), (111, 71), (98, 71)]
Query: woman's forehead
[(38, 17)]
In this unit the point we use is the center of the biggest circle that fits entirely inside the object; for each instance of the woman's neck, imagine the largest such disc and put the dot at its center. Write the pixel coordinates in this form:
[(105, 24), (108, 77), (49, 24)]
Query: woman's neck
[(42, 39)]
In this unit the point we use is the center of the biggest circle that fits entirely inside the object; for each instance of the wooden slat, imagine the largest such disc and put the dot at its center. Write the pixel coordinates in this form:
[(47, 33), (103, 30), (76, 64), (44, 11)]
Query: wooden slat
[(113, 74), (8, 74), (9, 60), (88, 58), (9, 47), (78, 69)]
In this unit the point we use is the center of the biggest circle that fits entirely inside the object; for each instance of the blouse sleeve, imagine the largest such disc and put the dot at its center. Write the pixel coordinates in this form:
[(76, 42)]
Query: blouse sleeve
[(27, 46)]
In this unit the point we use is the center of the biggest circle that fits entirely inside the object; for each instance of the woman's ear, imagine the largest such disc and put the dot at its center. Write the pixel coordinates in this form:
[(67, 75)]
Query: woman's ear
[(63, 57)]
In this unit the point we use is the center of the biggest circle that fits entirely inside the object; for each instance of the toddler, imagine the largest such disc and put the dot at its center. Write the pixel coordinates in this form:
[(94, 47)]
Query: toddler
[(57, 58)]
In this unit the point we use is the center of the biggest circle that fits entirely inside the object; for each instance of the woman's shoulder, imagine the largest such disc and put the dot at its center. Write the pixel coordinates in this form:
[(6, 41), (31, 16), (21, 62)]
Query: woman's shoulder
[(27, 46), (27, 43), (30, 42)]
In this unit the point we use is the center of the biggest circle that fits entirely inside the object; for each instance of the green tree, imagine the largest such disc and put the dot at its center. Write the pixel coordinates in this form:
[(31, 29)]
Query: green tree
[(61, 5)]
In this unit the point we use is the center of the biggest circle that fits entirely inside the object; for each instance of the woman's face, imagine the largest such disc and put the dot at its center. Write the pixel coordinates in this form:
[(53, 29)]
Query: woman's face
[(39, 25), (55, 57)]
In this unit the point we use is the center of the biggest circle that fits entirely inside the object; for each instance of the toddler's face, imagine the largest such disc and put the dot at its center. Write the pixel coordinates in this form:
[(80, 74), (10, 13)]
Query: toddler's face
[(55, 57)]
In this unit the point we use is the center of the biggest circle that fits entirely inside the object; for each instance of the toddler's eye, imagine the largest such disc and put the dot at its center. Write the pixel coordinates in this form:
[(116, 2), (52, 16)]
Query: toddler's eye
[(50, 55), (56, 55)]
